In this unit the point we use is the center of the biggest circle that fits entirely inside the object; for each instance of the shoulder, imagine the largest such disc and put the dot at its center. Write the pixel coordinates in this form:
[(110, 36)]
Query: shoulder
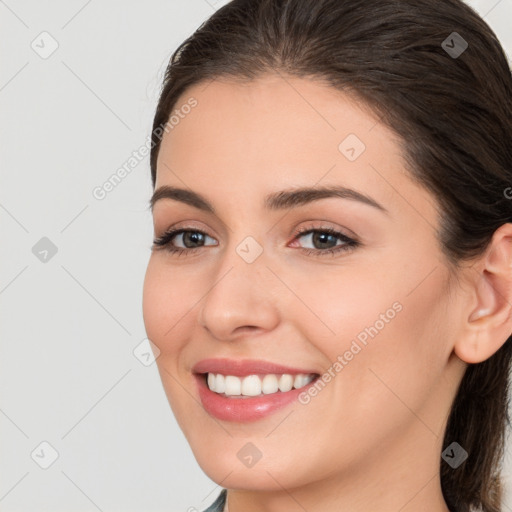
[(218, 504)]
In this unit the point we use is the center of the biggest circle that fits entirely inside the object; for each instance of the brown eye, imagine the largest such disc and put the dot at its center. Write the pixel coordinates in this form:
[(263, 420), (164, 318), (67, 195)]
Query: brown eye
[(325, 241), (189, 239)]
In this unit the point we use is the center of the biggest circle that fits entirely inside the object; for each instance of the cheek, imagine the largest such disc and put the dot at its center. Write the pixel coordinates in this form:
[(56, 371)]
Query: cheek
[(342, 308), (165, 304), (379, 329), (153, 302), (166, 301)]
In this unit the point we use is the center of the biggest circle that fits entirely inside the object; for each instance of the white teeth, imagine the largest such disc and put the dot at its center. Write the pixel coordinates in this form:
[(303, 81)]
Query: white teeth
[(300, 381), (269, 384), (253, 385), (233, 385), (286, 382), (211, 381), (220, 383)]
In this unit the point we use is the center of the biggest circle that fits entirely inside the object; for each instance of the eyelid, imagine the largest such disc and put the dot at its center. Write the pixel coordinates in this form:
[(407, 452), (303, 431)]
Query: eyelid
[(321, 225), (186, 226), (310, 225)]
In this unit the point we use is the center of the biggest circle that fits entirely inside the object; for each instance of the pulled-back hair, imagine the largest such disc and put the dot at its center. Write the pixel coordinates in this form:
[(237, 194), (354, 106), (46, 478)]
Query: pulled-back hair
[(453, 113)]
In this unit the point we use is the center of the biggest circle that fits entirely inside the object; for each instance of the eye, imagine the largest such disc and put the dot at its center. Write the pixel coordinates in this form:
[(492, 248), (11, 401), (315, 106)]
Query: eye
[(189, 238), (325, 241), (193, 239)]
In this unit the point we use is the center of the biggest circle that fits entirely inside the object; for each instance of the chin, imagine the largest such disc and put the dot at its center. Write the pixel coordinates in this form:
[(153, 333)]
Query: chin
[(225, 468)]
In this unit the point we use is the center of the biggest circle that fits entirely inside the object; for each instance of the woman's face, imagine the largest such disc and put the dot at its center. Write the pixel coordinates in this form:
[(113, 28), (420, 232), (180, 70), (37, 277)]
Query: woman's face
[(374, 316)]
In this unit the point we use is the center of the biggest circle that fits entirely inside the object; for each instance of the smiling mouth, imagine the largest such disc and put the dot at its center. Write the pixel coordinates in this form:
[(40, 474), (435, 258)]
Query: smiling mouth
[(256, 385)]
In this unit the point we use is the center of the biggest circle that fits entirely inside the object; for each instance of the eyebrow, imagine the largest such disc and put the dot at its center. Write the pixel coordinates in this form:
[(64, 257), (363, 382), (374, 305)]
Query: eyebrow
[(282, 200)]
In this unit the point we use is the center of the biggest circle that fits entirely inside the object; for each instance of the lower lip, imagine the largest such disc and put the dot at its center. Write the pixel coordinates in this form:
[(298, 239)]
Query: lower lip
[(244, 410)]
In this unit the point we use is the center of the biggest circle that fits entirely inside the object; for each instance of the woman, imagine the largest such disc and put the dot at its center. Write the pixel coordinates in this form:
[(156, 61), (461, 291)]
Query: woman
[(330, 284)]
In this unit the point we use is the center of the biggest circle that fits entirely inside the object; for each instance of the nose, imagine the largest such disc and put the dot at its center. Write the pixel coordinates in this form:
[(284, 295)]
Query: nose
[(239, 299)]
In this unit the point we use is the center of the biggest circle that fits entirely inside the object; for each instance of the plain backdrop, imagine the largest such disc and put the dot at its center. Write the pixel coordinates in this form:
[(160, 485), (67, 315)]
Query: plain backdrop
[(84, 421)]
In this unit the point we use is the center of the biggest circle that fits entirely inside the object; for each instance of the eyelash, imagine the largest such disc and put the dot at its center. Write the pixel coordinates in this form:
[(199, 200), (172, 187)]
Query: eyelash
[(164, 242)]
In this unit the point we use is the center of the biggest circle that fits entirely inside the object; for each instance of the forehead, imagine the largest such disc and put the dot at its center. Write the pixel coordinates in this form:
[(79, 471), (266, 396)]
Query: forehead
[(271, 121), (298, 109)]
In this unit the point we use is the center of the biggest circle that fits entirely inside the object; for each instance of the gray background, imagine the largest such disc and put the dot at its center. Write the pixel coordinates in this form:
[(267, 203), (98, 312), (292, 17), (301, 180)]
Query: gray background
[(72, 320)]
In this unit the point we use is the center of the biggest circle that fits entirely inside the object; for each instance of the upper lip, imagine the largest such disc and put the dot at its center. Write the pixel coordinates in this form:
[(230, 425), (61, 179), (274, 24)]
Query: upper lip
[(244, 367)]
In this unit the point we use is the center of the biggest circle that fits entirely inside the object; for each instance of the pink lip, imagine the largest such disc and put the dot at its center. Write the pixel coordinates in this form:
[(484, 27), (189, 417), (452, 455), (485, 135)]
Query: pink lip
[(242, 368), (244, 409)]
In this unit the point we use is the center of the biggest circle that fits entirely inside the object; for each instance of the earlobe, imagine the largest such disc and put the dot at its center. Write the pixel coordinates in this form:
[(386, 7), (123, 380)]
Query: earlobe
[(489, 322)]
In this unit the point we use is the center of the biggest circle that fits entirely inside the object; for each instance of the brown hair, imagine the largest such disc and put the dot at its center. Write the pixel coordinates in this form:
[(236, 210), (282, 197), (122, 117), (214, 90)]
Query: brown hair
[(454, 116)]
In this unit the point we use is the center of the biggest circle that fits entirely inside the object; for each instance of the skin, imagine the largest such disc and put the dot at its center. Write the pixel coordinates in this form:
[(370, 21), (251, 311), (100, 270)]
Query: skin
[(372, 438)]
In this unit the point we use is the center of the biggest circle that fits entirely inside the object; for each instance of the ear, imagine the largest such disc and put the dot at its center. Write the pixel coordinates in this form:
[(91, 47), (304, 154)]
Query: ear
[(489, 312)]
